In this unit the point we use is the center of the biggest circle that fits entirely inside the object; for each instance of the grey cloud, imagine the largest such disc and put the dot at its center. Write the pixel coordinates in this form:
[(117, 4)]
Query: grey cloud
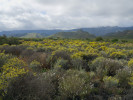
[(51, 14)]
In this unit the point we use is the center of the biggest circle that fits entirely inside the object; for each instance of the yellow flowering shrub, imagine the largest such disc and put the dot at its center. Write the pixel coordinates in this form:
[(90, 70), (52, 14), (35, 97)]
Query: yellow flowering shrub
[(118, 55), (4, 58), (12, 69), (78, 54), (131, 80), (34, 65), (110, 81), (130, 63)]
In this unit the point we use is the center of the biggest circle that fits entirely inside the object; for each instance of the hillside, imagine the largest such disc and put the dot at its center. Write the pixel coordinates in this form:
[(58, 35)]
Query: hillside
[(128, 34), (98, 31), (32, 35), (80, 34), (21, 33)]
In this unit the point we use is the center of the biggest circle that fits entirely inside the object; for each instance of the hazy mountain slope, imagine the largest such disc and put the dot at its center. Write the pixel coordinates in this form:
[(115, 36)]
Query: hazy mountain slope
[(73, 35), (98, 31), (32, 35), (128, 34), (20, 33)]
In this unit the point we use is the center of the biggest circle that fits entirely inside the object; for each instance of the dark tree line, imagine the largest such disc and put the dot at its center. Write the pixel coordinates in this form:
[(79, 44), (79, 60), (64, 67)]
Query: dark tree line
[(9, 40)]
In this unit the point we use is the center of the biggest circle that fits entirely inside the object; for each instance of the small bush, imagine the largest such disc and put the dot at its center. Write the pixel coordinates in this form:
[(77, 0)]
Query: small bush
[(12, 69), (117, 97), (114, 40), (106, 66), (60, 55), (119, 55), (42, 86), (79, 63), (123, 76), (34, 65), (61, 63), (14, 49), (131, 80), (98, 62), (4, 59), (110, 81), (99, 39), (74, 83), (130, 64), (129, 95)]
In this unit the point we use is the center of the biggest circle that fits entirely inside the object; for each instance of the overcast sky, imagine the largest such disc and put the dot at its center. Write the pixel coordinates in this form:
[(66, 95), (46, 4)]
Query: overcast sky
[(64, 14)]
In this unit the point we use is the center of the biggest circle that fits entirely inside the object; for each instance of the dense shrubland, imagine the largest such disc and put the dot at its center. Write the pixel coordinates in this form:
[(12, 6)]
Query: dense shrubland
[(56, 69)]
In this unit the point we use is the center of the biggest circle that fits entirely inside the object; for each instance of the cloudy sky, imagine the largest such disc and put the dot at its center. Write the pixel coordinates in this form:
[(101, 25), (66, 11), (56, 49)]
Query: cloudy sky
[(64, 14)]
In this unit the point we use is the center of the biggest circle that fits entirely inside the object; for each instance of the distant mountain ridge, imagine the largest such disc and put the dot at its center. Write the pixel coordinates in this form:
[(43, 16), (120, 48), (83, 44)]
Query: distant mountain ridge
[(98, 31), (128, 34), (79, 34)]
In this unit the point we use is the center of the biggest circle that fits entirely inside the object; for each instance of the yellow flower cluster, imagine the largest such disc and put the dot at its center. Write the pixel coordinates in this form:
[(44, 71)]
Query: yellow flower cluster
[(80, 47), (131, 80), (12, 69), (130, 63), (110, 81)]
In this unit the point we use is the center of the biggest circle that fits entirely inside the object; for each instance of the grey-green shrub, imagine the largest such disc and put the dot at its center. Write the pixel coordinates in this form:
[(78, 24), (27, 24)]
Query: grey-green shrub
[(123, 76), (34, 65), (74, 83), (106, 66), (79, 63), (61, 63), (110, 81)]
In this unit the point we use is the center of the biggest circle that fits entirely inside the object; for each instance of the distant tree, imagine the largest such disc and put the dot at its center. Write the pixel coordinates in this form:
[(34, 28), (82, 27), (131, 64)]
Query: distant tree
[(8, 40), (99, 39), (124, 41), (115, 40)]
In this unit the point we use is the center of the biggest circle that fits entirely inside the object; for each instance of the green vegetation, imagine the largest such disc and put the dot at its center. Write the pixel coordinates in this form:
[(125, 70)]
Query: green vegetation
[(10, 41), (66, 69), (32, 35), (128, 34), (80, 34)]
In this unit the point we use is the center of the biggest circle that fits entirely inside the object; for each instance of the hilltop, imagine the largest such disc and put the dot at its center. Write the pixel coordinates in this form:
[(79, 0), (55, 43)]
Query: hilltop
[(128, 34), (97, 31), (79, 34)]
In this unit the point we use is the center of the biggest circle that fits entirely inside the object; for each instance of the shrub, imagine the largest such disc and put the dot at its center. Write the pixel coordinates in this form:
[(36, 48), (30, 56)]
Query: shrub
[(130, 64), (110, 81), (26, 54), (104, 66), (124, 41), (4, 58), (123, 76), (129, 95), (10, 40), (34, 65), (43, 86), (74, 83), (90, 56), (30, 87), (119, 55), (12, 69), (117, 97), (61, 63), (60, 55), (115, 40), (130, 54), (111, 85), (99, 39), (98, 62), (79, 63), (14, 50), (131, 80)]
